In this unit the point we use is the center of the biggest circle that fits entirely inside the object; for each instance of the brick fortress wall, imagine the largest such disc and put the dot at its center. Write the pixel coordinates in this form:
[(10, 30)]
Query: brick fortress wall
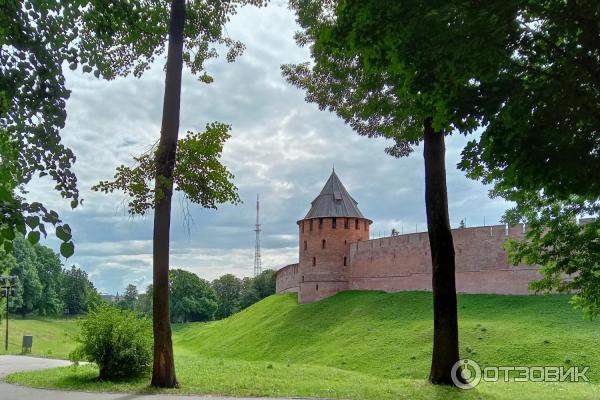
[(403, 262)]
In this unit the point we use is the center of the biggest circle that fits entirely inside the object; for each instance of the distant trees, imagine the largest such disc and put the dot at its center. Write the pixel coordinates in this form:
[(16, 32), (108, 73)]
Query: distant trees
[(195, 299), (78, 293), (228, 289), (44, 287), (192, 298)]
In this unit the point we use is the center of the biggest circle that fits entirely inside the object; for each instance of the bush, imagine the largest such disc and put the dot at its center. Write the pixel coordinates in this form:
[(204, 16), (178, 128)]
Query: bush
[(116, 340)]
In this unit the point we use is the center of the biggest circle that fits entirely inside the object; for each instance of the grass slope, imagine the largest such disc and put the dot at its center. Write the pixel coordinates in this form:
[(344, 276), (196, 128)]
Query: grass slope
[(389, 334), (365, 345), (51, 337)]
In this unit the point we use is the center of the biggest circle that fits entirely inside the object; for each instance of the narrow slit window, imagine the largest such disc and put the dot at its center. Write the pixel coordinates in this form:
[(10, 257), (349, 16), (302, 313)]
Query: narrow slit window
[(345, 223), (320, 223), (356, 224), (333, 223), (305, 245), (345, 261), (314, 261), (323, 243)]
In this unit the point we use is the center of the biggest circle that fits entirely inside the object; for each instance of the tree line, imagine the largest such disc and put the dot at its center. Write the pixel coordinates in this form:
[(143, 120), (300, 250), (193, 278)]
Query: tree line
[(44, 285), (193, 299)]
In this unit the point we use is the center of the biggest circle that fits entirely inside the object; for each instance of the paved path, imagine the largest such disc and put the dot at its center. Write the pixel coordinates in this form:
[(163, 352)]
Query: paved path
[(10, 364)]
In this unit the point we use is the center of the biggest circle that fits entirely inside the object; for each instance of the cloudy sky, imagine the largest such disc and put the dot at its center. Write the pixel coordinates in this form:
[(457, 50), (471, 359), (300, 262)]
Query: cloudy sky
[(281, 147)]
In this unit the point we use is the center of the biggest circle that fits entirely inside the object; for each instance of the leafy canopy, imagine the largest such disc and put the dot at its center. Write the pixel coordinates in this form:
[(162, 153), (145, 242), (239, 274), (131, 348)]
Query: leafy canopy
[(198, 173), (384, 74)]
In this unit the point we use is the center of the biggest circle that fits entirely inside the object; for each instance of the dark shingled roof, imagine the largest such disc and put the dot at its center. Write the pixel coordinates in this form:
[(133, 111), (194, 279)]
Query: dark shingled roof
[(334, 201)]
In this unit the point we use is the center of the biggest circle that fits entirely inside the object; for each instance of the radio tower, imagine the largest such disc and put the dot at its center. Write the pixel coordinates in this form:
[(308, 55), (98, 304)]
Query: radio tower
[(257, 261)]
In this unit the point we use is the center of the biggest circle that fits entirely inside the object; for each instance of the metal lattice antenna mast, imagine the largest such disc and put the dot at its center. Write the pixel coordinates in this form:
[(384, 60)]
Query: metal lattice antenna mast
[(257, 260)]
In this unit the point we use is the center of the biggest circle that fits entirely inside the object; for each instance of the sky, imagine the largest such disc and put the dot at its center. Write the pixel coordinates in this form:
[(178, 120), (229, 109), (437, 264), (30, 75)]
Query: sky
[(281, 147)]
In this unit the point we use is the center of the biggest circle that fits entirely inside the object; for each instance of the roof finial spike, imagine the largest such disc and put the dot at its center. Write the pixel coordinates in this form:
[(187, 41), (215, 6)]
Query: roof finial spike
[(333, 166)]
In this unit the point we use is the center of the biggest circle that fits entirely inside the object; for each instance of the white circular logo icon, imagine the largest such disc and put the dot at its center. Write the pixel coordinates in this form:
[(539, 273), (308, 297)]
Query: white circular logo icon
[(466, 374)]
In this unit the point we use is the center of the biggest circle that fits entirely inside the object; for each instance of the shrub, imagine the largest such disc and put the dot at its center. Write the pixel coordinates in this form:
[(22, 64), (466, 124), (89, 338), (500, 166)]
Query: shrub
[(118, 341)]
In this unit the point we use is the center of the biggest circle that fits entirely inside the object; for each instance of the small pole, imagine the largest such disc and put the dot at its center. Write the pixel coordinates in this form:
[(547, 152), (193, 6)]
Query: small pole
[(484, 220), (6, 341)]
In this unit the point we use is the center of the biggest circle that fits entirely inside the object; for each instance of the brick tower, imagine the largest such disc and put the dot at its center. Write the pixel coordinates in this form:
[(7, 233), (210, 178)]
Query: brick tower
[(326, 232)]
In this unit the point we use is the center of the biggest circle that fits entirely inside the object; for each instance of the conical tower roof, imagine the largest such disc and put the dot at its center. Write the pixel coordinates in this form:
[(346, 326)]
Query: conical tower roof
[(334, 201)]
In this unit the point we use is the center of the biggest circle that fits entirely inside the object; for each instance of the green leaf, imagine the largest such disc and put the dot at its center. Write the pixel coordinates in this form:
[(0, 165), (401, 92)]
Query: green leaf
[(8, 247), (32, 221), (33, 237), (63, 233), (67, 249)]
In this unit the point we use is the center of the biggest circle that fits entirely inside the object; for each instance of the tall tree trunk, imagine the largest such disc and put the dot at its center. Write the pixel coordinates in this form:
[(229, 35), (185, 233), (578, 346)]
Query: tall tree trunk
[(445, 320), (163, 372)]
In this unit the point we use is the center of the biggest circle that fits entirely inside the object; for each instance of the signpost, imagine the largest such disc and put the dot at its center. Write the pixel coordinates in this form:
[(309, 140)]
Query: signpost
[(7, 288)]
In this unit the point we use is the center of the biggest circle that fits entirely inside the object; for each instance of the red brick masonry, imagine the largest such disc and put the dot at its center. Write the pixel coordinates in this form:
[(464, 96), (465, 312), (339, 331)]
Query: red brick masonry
[(398, 263)]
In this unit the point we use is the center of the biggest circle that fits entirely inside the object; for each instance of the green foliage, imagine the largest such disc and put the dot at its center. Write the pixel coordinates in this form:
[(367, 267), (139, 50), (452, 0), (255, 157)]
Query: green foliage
[(569, 252), (386, 66), (78, 293), (198, 173), (227, 289), (257, 288), (546, 137), (35, 39), (191, 298), (541, 149), (118, 341), (130, 298)]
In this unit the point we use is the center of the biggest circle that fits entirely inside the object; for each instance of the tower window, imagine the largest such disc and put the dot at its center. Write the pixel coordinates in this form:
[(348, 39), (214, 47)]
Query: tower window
[(311, 224), (356, 223), (345, 223), (345, 260), (320, 223), (317, 286), (333, 223), (305, 245), (323, 244), (314, 261)]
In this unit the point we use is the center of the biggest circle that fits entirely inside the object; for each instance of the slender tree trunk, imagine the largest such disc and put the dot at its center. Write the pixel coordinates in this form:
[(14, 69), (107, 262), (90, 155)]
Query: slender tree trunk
[(163, 372), (445, 320)]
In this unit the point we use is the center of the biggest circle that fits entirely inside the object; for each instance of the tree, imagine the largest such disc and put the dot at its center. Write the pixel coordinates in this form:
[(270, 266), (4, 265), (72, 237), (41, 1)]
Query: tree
[(78, 293), (29, 287), (227, 290), (542, 149), (36, 38), (412, 72), (192, 298), (144, 302), (49, 269), (130, 298), (127, 35), (257, 288)]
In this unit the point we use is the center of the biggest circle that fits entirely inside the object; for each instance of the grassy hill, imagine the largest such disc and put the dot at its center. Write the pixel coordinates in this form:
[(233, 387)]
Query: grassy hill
[(389, 334), (366, 345), (51, 337)]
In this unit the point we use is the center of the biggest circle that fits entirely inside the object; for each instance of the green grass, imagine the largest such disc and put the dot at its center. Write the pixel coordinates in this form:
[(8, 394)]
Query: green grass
[(51, 337), (365, 345)]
